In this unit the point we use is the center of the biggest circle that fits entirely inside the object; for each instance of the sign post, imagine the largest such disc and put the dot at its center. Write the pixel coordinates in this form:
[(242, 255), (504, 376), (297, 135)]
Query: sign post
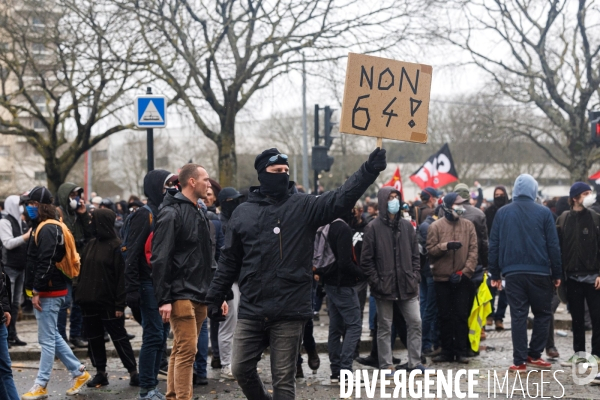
[(386, 98), (150, 113)]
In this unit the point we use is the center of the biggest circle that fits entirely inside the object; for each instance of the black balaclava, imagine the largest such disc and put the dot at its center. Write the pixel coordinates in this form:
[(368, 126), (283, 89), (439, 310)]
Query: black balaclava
[(502, 200), (228, 207), (272, 185)]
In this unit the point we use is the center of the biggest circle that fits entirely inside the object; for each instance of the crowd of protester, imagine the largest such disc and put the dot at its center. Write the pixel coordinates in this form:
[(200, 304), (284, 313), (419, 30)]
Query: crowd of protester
[(258, 264)]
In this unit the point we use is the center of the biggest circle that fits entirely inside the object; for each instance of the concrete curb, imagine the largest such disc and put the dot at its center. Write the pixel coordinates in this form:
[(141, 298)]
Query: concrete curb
[(34, 355)]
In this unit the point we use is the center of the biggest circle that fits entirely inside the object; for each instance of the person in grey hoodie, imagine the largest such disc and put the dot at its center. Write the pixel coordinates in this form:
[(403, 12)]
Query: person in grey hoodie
[(524, 248), (14, 234)]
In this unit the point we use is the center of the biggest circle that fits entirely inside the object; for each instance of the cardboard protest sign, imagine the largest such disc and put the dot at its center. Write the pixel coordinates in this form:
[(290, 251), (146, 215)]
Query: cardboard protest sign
[(385, 98)]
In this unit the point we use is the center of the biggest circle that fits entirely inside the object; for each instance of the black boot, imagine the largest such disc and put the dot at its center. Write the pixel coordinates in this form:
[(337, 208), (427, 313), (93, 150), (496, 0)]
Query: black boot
[(101, 379), (215, 363), (134, 379), (313, 360), (15, 341), (368, 360)]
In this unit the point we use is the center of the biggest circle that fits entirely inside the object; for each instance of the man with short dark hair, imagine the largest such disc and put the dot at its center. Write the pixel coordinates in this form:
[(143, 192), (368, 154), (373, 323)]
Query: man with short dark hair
[(139, 287), (269, 245), (181, 271)]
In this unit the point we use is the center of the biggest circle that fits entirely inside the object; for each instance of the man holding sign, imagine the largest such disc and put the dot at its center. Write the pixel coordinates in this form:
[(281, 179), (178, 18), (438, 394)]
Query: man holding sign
[(269, 246), (386, 98)]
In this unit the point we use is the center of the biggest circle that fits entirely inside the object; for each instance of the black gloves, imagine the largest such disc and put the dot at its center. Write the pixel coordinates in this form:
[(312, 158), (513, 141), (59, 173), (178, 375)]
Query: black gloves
[(133, 299), (454, 245), (376, 162), (215, 313), (455, 277)]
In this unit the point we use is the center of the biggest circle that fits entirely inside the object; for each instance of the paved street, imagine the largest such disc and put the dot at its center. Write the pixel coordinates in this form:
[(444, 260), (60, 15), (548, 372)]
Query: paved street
[(314, 386)]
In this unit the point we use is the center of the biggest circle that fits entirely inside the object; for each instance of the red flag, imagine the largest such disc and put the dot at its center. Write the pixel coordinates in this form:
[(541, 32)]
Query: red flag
[(437, 171), (595, 178), (396, 181)]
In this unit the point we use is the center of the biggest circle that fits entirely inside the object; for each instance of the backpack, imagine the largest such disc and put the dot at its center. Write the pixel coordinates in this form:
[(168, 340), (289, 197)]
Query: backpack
[(125, 232), (323, 257), (71, 262)]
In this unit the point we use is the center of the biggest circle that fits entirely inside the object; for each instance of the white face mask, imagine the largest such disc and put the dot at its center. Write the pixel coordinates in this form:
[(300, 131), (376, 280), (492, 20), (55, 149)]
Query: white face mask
[(589, 200), (21, 209), (73, 204)]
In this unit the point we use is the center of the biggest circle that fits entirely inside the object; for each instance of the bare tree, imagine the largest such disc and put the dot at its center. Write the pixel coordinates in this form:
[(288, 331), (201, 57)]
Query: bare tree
[(545, 58), (215, 55), (59, 86)]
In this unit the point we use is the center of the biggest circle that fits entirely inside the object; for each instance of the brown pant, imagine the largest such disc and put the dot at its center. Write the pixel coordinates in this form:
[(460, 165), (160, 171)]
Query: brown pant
[(186, 320)]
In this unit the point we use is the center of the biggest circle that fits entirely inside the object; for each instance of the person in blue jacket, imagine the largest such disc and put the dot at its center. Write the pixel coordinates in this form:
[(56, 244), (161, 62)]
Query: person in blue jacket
[(524, 248)]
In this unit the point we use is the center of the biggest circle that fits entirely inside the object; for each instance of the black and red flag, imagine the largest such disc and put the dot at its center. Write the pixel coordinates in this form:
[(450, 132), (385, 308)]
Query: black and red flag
[(437, 171)]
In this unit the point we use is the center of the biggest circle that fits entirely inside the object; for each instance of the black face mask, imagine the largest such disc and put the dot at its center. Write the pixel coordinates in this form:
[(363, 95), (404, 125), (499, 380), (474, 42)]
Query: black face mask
[(172, 191), (500, 201), (273, 185), (228, 207)]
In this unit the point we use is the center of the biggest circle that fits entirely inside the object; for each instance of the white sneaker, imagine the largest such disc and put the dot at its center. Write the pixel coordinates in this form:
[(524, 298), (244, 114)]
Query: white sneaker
[(226, 372), (572, 360)]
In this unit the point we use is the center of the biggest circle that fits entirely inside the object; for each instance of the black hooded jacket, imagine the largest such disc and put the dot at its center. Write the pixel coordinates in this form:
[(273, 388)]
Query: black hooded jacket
[(41, 273), (140, 226), (270, 243), (101, 283), (181, 251)]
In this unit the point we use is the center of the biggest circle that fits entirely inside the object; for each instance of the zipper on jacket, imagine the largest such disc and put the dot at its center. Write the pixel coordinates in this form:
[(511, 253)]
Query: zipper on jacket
[(280, 241)]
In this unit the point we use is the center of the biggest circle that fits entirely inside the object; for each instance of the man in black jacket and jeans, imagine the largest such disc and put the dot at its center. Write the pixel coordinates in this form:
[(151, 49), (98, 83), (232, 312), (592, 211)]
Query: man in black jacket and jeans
[(138, 281), (269, 245), (181, 271)]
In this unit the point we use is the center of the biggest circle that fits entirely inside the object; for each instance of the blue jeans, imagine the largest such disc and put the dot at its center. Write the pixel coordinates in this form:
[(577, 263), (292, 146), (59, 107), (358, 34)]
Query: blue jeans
[(428, 313), (344, 321), (76, 317), (372, 312), (318, 294), (202, 355), (8, 390), (51, 342), (154, 336)]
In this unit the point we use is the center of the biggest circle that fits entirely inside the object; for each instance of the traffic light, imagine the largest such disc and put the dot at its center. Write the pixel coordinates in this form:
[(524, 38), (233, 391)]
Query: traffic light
[(321, 161), (328, 127)]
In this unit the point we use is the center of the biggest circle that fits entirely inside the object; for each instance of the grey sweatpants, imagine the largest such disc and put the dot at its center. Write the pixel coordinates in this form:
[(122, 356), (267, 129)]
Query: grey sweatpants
[(411, 312), (227, 327)]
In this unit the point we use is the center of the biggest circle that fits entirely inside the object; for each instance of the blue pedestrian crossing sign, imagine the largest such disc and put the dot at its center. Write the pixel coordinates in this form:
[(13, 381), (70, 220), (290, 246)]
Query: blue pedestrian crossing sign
[(151, 111)]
